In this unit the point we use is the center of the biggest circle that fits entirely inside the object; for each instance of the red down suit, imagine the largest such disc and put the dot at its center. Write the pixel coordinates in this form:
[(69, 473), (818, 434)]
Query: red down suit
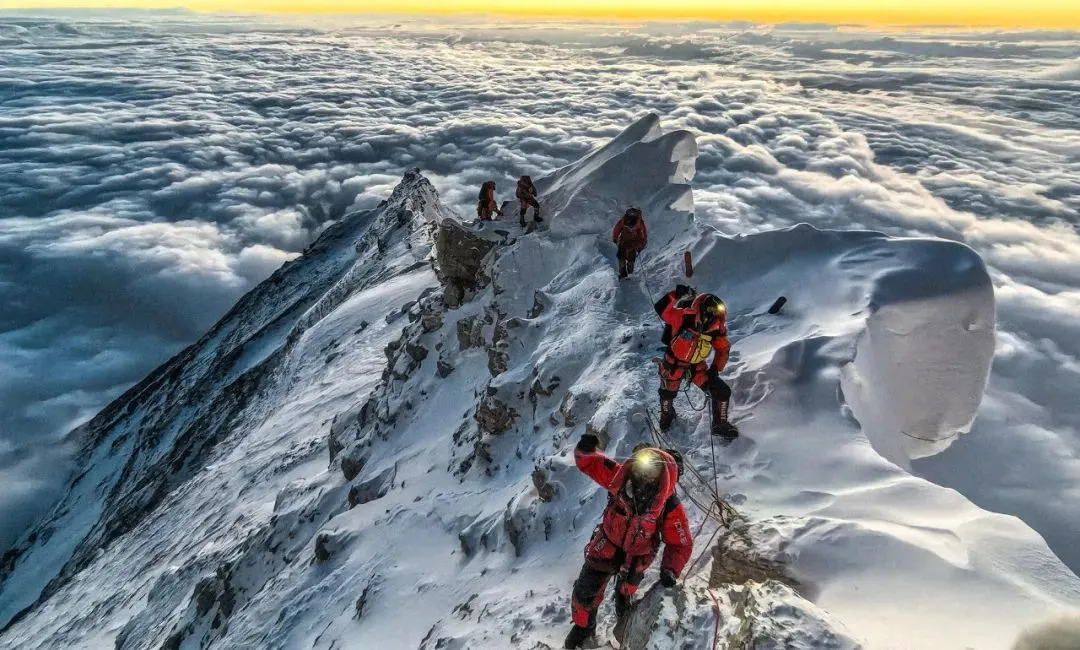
[(627, 540)]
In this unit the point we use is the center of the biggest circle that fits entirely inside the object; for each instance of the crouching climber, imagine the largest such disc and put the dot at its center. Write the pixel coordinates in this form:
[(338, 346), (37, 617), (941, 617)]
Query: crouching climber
[(642, 511), (526, 195), (487, 204), (694, 329), (631, 236)]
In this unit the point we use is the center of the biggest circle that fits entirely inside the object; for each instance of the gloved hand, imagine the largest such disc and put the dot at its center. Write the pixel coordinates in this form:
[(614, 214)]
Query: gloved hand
[(682, 290), (668, 578), (588, 443)]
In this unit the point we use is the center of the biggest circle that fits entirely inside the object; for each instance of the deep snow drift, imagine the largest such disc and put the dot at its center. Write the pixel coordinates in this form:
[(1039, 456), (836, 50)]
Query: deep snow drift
[(451, 515)]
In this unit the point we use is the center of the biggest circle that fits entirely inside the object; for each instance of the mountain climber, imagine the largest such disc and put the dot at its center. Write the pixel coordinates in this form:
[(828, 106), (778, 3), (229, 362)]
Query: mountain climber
[(694, 328), (631, 236), (487, 204), (642, 511), (526, 194)]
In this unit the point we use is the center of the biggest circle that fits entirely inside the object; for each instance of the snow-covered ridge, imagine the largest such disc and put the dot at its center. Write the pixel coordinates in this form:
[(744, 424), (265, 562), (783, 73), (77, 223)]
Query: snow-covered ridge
[(451, 515), (164, 430)]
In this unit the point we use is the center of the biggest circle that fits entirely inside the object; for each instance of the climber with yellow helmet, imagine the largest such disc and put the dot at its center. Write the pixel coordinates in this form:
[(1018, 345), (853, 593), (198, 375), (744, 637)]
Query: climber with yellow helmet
[(695, 329)]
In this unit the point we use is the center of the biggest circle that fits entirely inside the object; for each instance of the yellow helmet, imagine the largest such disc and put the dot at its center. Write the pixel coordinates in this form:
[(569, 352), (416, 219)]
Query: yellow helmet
[(709, 308), (646, 465)]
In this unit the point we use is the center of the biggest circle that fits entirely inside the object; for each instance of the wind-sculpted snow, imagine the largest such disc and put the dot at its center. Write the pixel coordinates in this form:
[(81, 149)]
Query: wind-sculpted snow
[(451, 515), (921, 365)]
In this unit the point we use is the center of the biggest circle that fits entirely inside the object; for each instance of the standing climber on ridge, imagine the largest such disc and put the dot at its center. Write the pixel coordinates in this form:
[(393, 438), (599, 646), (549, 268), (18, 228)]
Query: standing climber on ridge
[(631, 236), (526, 195), (487, 204), (642, 511), (694, 329)]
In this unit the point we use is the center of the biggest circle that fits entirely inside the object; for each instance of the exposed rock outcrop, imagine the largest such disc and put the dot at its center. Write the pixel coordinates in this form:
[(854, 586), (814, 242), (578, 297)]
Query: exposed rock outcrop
[(459, 253)]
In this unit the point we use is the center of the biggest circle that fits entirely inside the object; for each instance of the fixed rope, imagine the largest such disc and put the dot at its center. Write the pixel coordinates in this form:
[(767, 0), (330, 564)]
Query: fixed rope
[(648, 287), (686, 393), (724, 514)]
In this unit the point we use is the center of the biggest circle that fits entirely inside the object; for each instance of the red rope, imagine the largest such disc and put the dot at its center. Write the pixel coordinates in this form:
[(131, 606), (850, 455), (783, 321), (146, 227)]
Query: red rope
[(716, 625)]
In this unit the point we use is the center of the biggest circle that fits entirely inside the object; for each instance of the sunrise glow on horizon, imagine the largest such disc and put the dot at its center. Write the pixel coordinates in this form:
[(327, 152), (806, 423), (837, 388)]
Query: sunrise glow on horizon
[(1034, 14)]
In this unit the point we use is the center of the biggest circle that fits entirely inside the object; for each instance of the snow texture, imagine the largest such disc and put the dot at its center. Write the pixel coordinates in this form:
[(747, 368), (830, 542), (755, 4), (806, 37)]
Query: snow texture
[(205, 513)]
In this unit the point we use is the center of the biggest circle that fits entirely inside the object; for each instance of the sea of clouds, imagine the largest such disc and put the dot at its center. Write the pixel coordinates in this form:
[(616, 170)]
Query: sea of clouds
[(155, 166)]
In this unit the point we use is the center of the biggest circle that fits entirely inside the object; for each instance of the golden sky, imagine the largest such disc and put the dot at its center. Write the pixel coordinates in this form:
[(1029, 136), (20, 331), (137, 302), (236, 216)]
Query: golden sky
[(1014, 13)]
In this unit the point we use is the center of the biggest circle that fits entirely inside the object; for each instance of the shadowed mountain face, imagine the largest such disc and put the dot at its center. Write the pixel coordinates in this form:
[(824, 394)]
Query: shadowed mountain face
[(154, 438), (378, 434)]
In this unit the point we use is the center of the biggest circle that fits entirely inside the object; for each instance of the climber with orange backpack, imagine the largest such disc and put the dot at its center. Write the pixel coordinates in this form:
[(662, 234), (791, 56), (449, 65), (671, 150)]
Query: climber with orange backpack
[(526, 195), (694, 330), (487, 204), (642, 511), (631, 236)]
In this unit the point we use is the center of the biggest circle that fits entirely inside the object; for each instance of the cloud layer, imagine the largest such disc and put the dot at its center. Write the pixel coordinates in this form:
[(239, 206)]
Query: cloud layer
[(152, 170)]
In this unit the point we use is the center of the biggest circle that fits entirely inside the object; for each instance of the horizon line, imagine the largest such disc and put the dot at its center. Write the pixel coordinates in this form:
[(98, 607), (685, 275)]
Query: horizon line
[(550, 16), (927, 14)]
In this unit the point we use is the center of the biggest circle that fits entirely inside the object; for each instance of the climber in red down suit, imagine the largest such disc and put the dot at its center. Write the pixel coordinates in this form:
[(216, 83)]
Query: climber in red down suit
[(642, 511), (695, 327), (631, 236)]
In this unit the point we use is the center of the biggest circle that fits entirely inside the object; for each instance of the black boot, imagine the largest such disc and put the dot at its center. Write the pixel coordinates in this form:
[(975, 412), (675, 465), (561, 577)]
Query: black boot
[(581, 637), (720, 425), (622, 269), (521, 215), (667, 411)]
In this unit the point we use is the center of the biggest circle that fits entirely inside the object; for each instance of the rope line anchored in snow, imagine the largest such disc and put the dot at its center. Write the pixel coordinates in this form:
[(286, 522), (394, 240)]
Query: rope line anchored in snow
[(716, 625), (690, 401), (645, 277)]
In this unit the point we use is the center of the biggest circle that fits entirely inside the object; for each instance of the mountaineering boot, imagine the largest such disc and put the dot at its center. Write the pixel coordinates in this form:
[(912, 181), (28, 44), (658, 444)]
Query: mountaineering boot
[(725, 430), (667, 412), (622, 269), (581, 637), (720, 425)]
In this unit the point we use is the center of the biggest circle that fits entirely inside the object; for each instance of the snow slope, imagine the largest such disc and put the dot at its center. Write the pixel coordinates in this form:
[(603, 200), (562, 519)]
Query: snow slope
[(451, 515)]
